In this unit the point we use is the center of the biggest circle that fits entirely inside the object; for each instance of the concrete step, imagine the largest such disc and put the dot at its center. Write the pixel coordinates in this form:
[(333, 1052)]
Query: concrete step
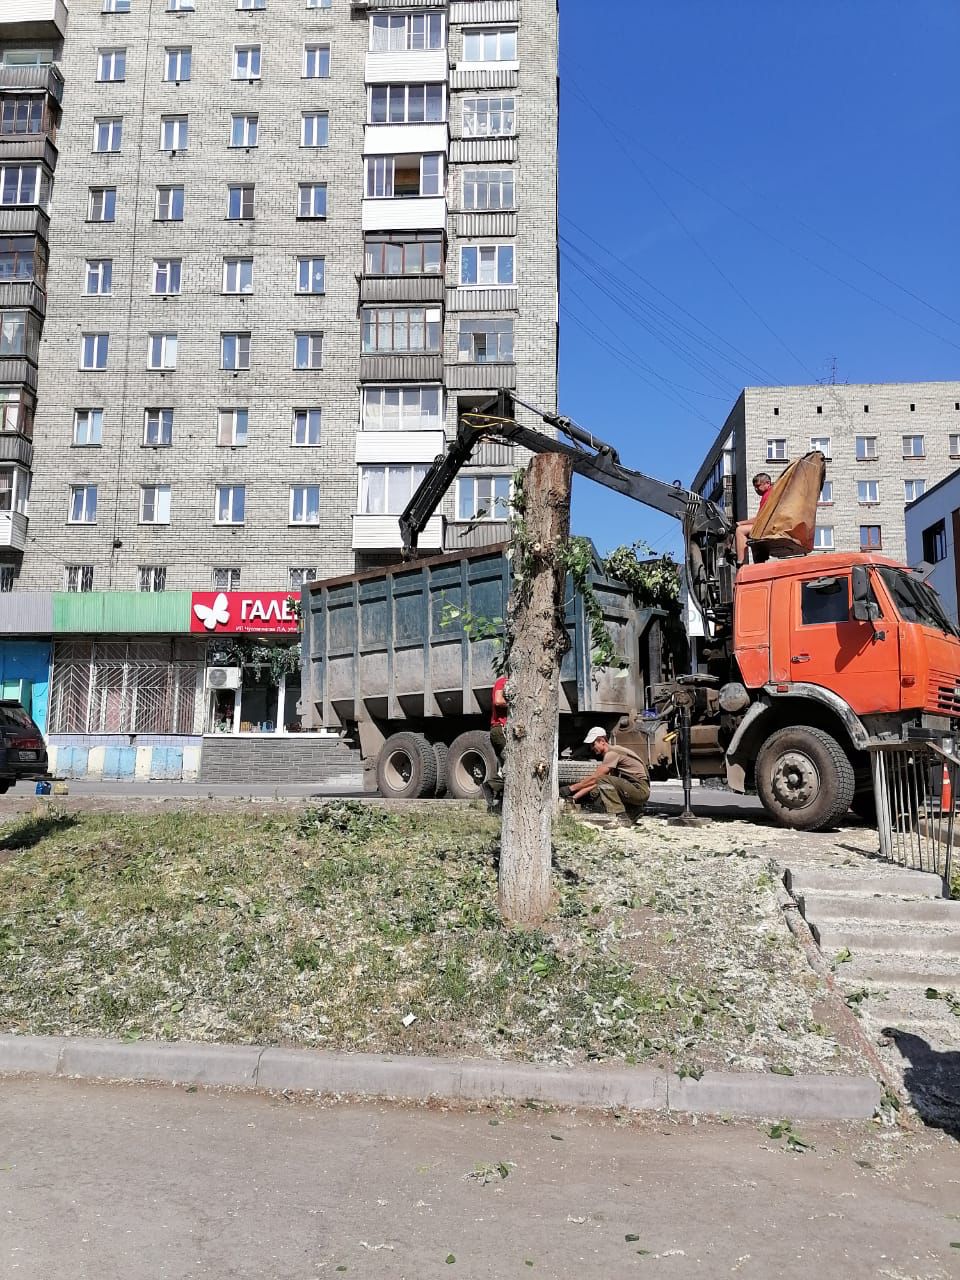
[(883, 880), (848, 908), (924, 940), (886, 971)]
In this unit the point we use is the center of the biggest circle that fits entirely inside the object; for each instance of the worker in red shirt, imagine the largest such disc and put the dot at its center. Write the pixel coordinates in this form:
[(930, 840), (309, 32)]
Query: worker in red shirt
[(762, 485), (492, 788)]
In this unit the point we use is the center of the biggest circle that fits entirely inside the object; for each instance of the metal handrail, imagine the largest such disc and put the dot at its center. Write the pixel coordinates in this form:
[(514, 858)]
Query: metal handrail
[(915, 789)]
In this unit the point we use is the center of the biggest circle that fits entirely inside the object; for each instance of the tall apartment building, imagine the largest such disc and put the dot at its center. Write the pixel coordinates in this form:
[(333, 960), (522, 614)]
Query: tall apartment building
[(293, 240), (885, 444), (31, 90)]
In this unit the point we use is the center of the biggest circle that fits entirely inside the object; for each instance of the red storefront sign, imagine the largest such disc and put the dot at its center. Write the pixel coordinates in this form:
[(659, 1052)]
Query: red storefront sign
[(237, 612)]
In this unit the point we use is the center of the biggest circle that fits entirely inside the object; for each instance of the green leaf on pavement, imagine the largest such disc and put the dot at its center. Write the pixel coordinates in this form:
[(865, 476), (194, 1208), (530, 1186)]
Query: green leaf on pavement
[(932, 993), (631, 1239), (781, 1069), (449, 1259), (556, 1137)]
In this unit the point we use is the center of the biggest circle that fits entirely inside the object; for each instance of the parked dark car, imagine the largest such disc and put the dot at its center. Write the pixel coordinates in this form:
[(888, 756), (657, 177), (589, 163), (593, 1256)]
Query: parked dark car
[(23, 753)]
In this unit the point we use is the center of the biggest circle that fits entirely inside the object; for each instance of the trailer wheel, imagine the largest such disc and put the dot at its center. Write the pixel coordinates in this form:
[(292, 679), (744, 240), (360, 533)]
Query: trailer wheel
[(470, 762), (406, 767), (570, 772), (441, 751), (804, 778)]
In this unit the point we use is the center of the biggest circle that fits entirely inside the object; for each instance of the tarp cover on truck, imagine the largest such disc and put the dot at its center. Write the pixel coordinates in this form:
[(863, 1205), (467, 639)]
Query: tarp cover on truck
[(786, 525)]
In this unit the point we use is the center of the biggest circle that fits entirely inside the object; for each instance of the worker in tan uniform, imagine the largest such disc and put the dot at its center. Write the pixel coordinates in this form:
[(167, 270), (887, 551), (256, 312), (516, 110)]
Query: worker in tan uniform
[(620, 782)]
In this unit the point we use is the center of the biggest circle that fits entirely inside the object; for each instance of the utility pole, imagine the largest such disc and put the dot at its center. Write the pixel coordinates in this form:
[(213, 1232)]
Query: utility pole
[(538, 643)]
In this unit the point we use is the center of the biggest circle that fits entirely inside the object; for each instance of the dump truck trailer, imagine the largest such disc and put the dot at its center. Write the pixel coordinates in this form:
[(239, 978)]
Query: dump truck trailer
[(403, 661)]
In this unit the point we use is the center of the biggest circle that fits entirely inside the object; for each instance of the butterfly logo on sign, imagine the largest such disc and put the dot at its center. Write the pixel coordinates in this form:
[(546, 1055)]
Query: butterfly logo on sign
[(217, 614)]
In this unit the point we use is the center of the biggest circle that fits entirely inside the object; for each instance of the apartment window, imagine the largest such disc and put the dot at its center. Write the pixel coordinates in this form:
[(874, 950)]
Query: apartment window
[(822, 444), (158, 428), (239, 203), (935, 542), (177, 64), (301, 574), (489, 117), (319, 4), (116, 6), (913, 489), (398, 253), (226, 579), (401, 177), (776, 450), (483, 497), (316, 61), (305, 504), (870, 539), (306, 427), (21, 115), (868, 491), (314, 129), (102, 204), (823, 537), (234, 351), (245, 131), (246, 62), (174, 132), (107, 134), (866, 448), (169, 204), (312, 200), (83, 504), (407, 104), (23, 184), (230, 504), (16, 411), (22, 260), (93, 350), (232, 427), (913, 447), (385, 491), (487, 264), (251, 4), (488, 189), (98, 276), (154, 504), (401, 329), (496, 44), (310, 274), (308, 351), (826, 494), (152, 577), (486, 341), (955, 446), (395, 32), (238, 275), (162, 351), (78, 577), (87, 427), (167, 275), (13, 333), (8, 577), (402, 409), (111, 64), (180, 6)]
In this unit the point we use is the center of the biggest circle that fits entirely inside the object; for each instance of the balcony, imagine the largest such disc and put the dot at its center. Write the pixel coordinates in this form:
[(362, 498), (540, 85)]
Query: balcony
[(14, 448), (31, 146), (407, 213), (419, 288), (382, 533), (26, 220), (23, 293), (399, 446), (13, 526), (404, 139), (410, 66), (401, 368), (481, 377), (33, 19), (481, 298)]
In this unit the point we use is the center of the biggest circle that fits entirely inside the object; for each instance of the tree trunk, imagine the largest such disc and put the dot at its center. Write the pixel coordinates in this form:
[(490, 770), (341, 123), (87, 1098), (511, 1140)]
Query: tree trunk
[(538, 642)]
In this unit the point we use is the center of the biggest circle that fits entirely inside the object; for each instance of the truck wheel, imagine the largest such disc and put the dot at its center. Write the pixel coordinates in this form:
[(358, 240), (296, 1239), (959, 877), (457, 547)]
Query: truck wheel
[(471, 762), (570, 772), (441, 751), (804, 778), (406, 767)]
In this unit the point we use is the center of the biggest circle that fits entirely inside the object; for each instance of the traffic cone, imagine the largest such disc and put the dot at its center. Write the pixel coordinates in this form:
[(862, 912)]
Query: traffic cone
[(946, 792)]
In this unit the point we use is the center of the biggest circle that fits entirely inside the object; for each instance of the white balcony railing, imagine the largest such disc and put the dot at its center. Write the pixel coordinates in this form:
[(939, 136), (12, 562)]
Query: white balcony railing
[(382, 533)]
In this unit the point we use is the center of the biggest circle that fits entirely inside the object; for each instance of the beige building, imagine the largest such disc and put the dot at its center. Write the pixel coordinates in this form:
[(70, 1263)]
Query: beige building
[(885, 444)]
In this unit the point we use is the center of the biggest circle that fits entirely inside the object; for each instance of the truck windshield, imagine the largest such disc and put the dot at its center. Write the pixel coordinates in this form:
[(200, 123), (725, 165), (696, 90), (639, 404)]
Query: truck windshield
[(915, 601)]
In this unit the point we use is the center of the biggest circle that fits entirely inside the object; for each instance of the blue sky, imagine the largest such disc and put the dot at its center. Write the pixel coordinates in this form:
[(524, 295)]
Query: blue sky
[(779, 188)]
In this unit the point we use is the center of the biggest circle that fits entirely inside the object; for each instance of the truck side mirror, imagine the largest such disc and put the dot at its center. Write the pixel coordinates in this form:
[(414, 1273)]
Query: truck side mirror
[(865, 607)]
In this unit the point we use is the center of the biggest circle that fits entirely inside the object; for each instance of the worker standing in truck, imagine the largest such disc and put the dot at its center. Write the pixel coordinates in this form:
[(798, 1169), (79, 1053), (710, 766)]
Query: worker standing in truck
[(763, 486), (620, 782)]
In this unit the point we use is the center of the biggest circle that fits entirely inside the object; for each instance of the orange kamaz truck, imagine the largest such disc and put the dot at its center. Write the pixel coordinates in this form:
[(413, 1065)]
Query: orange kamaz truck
[(809, 660)]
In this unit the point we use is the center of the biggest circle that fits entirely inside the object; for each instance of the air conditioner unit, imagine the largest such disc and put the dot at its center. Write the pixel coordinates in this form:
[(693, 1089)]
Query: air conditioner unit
[(223, 677)]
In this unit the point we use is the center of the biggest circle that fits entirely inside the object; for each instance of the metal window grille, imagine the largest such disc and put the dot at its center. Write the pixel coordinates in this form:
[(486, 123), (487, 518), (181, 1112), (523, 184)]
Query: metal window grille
[(117, 686)]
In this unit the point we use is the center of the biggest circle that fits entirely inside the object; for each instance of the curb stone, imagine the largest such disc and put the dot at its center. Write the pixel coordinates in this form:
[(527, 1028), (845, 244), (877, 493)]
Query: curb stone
[(419, 1079)]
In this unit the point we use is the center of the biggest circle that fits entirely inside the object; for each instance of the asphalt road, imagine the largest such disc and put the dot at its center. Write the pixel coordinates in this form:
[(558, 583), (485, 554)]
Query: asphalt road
[(136, 1183)]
